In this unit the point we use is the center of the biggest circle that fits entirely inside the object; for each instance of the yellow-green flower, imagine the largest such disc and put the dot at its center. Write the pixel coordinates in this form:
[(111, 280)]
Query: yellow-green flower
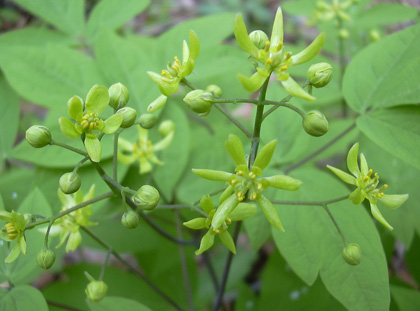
[(242, 212), (169, 78), (143, 151), (14, 229), (272, 58), (248, 184), (86, 120), (367, 186), (67, 227), (326, 11)]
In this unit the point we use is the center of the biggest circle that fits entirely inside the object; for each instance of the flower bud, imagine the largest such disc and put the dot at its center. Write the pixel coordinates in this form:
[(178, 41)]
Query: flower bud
[(130, 220), (70, 182), (45, 258), (352, 254), (147, 120), (166, 127), (129, 116), (38, 136), (315, 123), (259, 38), (343, 33), (216, 90), (320, 74), (118, 96), (96, 291), (147, 197), (374, 35), (199, 101)]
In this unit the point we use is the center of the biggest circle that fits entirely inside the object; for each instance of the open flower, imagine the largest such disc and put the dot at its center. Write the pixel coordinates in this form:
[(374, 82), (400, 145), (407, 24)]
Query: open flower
[(14, 229), (243, 211), (169, 79), (271, 58), (367, 186), (248, 184), (67, 227), (87, 121), (143, 151)]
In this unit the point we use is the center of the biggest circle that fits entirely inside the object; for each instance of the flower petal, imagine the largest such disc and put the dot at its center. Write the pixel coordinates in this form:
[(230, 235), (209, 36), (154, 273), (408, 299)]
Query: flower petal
[(67, 128), (194, 44), (254, 82), (93, 148), (14, 254), (378, 216), (264, 156), (270, 212), (75, 238), (75, 108), (243, 211), (227, 240), (212, 174), (347, 178), (242, 37), (224, 210), (363, 165), (310, 52), (235, 149), (113, 123), (206, 242), (206, 204), (277, 32), (352, 160), (157, 104), (393, 201), (97, 99), (284, 182), (294, 89), (196, 223)]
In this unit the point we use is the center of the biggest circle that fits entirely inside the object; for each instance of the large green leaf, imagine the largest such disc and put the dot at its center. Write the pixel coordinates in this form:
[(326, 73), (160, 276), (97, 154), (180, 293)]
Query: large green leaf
[(385, 13), (111, 14), (49, 75), (175, 157), (397, 130), (117, 303), (23, 298), (67, 16), (9, 118), (258, 229), (385, 73), (312, 246), (406, 299)]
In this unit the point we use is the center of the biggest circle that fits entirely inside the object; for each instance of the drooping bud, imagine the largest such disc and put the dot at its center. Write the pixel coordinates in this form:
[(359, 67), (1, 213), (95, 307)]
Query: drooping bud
[(157, 104), (147, 120), (352, 254), (45, 258), (130, 220), (96, 291), (147, 197), (118, 96), (319, 75), (70, 182), (259, 38), (38, 136), (129, 116), (166, 127), (216, 90), (199, 101), (315, 123)]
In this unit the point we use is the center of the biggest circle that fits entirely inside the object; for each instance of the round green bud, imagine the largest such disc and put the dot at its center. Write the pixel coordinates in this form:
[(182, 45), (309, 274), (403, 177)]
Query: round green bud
[(147, 120), (118, 96), (199, 101), (96, 291), (352, 254), (38, 136), (343, 33), (129, 116), (216, 90), (45, 258), (147, 197), (166, 127), (70, 182), (315, 123), (259, 38), (319, 75), (374, 35), (130, 220)]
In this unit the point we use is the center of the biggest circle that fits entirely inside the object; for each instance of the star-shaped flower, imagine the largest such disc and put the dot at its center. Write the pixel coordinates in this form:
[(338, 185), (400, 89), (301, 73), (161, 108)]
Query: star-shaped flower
[(367, 186), (14, 229), (272, 58)]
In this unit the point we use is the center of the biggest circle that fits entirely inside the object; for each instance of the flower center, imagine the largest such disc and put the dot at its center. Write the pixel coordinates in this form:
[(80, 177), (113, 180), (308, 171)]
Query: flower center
[(90, 121), (247, 182), (144, 148), (11, 231), (368, 185), (172, 70)]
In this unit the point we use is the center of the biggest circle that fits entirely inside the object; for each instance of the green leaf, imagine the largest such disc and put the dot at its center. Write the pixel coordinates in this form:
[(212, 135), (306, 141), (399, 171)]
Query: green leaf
[(23, 298), (110, 15), (312, 246), (385, 73), (385, 13), (49, 75), (397, 130), (406, 299), (67, 16), (258, 229), (117, 303), (9, 118)]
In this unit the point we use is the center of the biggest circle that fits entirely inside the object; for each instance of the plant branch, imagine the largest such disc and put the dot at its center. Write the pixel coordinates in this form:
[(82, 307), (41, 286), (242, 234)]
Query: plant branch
[(115, 157), (68, 147), (62, 306), (335, 223), (233, 120), (311, 203)]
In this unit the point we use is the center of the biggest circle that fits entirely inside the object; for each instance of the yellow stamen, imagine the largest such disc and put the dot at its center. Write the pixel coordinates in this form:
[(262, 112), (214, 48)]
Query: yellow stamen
[(287, 55), (240, 173), (269, 61), (217, 231), (252, 175), (259, 186), (280, 46), (253, 196), (267, 46), (283, 68), (228, 221)]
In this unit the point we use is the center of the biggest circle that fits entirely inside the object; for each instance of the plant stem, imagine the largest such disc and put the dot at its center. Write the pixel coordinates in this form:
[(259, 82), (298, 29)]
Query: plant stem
[(312, 203), (78, 165), (213, 275), (187, 83), (62, 145), (342, 63), (323, 148), (233, 120), (335, 223), (108, 254), (114, 158), (236, 101), (131, 268), (62, 306), (69, 210), (47, 234)]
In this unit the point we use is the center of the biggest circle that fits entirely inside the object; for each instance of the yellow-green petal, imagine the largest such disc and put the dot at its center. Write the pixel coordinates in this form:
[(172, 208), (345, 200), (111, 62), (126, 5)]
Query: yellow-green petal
[(347, 178), (265, 155), (378, 216), (352, 160), (194, 44), (157, 104), (75, 108), (284, 182), (113, 123), (93, 148), (196, 224), (270, 212), (242, 37), (212, 174), (393, 201), (206, 204), (97, 99), (67, 128), (224, 210), (294, 89), (243, 211), (235, 149), (75, 238), (277, 32), (310, 52), (227, 240), (14, 254), (363, 165), (206, 242), (254, 82)]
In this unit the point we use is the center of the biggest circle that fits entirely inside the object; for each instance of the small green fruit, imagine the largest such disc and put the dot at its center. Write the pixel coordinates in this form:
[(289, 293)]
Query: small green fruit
[(315, 123), (70, 182), (147, 120), (118, 96), (130, 220), (320, 74), (352, 254), (96, 291), (38, 136), (45, 258), (129, 116), (147, 197), (259, 38), (199, 101)]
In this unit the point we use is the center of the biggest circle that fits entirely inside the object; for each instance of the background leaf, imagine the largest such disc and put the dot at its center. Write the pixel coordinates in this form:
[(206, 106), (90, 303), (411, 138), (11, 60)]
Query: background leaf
[(23, 298), (117, 303), (406, 299)]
